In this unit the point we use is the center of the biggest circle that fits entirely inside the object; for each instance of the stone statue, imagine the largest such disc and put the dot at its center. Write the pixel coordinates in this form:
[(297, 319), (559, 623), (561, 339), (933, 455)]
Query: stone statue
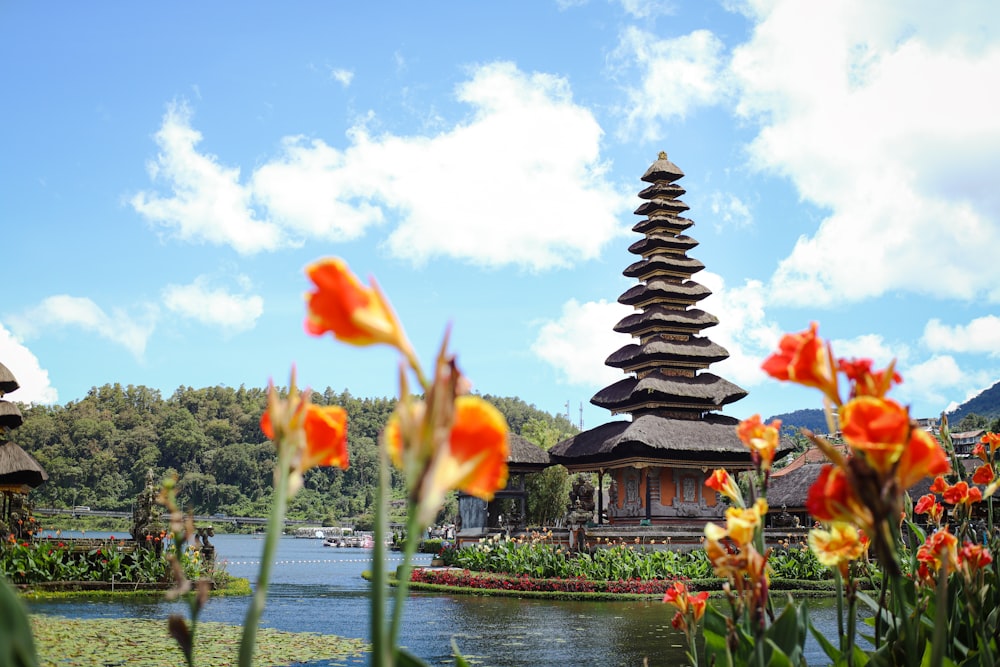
[(145, 512)]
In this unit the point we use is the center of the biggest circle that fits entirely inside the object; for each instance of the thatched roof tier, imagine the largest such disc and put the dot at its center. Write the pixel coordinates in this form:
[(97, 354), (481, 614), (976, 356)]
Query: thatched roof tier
[(662, 243), (664, 292), (695, 352), (711, 441), (19, 468), (660, 319), (661, 206), (8, 382), (678, 267), (671, 225), (525, 456), (10, 415), (662, 170), (662, 190), (659, 390)]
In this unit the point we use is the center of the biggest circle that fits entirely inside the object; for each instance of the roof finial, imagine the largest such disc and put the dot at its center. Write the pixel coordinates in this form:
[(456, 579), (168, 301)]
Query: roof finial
[(663, 155)]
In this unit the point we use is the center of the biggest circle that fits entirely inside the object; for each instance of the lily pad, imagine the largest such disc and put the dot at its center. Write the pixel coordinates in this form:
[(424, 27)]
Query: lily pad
[(66, 642)]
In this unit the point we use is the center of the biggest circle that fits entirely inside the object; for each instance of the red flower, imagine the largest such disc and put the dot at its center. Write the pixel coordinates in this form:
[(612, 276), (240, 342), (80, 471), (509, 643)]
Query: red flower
[(961, 494), (984, 474), (922, 457), (879, 428), (831, 498), (865, 381)]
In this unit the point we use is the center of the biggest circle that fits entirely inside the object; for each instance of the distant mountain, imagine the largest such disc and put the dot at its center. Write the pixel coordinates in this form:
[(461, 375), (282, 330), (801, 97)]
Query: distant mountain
[(986, 404), (813, 419)]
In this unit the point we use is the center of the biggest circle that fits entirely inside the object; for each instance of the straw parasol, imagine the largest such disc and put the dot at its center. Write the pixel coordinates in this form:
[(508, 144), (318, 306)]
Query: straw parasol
[(7, 381)]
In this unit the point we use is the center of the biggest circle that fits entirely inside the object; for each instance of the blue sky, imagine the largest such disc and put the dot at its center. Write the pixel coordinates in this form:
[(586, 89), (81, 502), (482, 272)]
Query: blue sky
[(168, 169)]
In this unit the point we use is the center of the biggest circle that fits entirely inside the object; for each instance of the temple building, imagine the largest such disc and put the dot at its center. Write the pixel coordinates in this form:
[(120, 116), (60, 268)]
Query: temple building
[(653, 465)]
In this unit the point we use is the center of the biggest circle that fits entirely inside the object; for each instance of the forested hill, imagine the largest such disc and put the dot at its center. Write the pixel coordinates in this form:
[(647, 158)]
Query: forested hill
[(986, 404), (97, 450)]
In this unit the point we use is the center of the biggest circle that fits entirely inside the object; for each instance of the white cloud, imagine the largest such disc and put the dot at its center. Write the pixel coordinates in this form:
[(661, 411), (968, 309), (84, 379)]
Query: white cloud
[(934, 382), (342, 76), (214, 306), (207, 203), (35, 386), (520, 182), (729, 212), (644, 9), (884, 116), (54, 312), (743, 328), (577, 343), (677, 75), (981, 335)]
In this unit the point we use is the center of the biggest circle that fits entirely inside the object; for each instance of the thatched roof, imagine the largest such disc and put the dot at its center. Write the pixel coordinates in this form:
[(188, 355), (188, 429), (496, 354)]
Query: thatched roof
[(526, 456), (8, 382), (654, 206), (687, 292), (675, 265), (10, 415), (18, 467), (669, 243), (661, 189), (665, 351), (662, 170), (672, 224), (704, 391), (710, 439), (661, 318)]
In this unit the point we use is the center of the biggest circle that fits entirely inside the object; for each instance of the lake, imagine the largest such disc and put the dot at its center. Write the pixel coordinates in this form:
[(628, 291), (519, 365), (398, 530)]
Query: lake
[(320, 589)]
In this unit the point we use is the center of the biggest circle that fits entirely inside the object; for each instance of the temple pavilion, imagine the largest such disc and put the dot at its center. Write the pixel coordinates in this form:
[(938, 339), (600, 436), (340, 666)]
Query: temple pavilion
[(653, 464)]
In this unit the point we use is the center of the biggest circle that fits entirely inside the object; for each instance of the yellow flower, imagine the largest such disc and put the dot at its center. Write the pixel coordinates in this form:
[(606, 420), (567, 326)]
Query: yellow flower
[(837, 546)]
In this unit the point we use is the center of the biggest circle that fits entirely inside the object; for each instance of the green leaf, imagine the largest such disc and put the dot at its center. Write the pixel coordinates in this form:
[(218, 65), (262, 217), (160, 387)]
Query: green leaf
[(406, 659)]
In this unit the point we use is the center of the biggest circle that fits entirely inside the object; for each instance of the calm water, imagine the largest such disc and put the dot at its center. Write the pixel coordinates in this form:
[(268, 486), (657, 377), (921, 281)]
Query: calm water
[(320, 589)]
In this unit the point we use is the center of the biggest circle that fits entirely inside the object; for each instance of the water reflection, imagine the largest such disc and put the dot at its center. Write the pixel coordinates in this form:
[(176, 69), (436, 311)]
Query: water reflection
[(320, 589)]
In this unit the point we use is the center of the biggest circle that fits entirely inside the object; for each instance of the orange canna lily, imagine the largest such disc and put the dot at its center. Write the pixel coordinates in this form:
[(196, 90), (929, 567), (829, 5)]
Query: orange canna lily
[(742, 523), (992, 440), (961, 493), (353, 313), (878, 428), (928, 504), (803, 358), (831, 498), (721, 481), (972, 558), (472, 459), (922, 457), (865, 381), (939, 548), (762, 440), (984, 474), (317, 435)]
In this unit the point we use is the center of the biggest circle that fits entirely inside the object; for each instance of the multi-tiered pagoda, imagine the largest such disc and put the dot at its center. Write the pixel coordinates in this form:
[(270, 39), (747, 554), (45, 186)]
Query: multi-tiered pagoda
[(659, 459)]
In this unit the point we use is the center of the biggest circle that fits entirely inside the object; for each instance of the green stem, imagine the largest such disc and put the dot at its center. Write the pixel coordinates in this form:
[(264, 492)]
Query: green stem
[(852, 618), (382, 651), (413, 532), (840, 606), (275, 525), (940, 616)]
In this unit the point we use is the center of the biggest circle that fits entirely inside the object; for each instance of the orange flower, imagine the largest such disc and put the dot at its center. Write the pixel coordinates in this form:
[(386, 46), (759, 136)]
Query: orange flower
[(939, 548), (742, 523), (878, 428), (722, 482), (679, 596), (803, 358), (838, 546), (865, 381), (973, 558), (762, 440), (831, 498), (992, 440), (938, 485), (922, 457), (984, 474), (316, 435), (353, 313), (961, 494), (472, 459), (929, 505), (980, 452)]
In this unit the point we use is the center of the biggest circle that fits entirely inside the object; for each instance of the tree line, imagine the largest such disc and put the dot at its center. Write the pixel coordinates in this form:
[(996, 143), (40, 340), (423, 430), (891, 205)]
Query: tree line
[(97, 452)]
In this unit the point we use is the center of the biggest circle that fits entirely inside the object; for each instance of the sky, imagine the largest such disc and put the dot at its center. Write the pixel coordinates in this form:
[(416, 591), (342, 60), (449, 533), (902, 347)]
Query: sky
[(167, 171)]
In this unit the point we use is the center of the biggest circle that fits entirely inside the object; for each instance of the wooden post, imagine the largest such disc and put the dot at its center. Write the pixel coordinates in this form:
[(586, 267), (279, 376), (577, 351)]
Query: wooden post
[(600, 497)]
